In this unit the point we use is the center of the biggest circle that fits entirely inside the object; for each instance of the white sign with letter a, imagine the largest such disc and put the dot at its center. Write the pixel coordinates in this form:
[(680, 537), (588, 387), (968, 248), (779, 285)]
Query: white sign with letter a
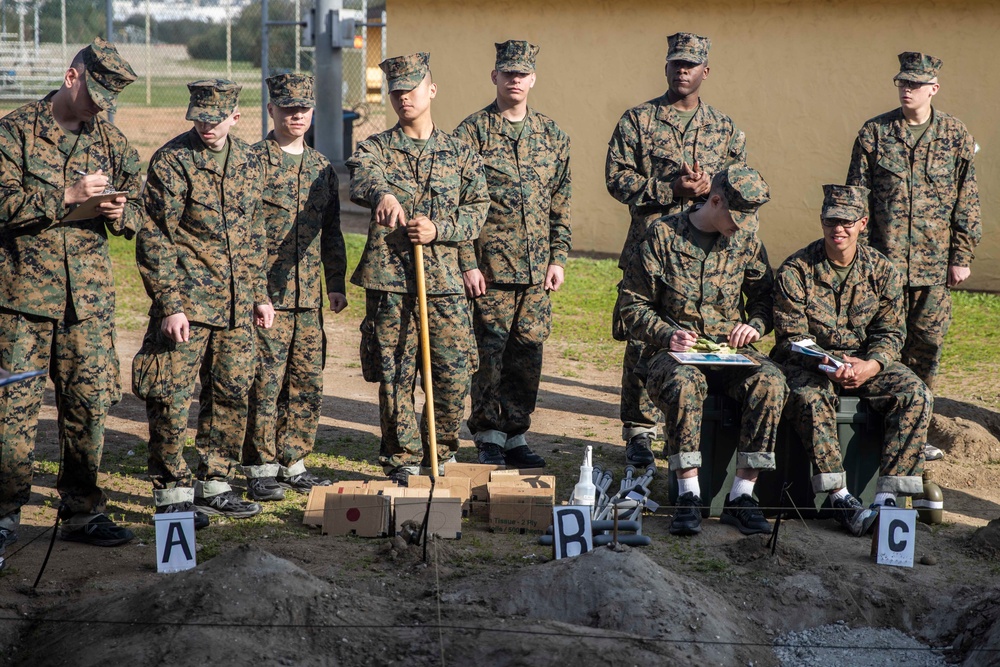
[(174, 541), (571, 531), (897, 536)]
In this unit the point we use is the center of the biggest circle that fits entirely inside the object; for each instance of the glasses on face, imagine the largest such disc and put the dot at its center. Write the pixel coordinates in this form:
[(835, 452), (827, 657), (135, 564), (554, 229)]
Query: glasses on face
[(912, 85), (830, 223)]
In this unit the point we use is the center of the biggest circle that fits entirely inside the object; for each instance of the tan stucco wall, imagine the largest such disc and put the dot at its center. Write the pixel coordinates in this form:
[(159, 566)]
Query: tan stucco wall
[(798, 77)]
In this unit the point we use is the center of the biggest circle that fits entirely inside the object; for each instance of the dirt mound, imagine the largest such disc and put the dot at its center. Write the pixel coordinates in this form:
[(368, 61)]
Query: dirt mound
[(988, 419), (216, 613), (623, 592), (964, 438), (986, 540)]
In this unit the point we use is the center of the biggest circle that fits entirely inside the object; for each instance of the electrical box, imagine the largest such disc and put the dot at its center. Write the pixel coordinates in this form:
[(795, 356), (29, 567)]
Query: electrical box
[(341, 30), (309, 29)]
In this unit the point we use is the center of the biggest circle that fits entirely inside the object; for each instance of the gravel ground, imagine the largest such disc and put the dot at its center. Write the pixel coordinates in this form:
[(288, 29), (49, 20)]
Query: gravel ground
[(864, 647)]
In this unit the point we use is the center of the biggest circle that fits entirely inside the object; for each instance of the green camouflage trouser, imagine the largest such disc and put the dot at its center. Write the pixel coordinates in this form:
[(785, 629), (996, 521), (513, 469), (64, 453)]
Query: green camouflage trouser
[(82, 363), (391, 336), (896, 393), (680, 391), (511, 325), (287, 394), (164, 374), (928, 317), (638, 412)]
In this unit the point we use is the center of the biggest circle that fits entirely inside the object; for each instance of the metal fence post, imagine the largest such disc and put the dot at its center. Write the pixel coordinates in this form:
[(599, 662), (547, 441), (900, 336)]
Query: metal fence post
[(264, 47), (109, 28)]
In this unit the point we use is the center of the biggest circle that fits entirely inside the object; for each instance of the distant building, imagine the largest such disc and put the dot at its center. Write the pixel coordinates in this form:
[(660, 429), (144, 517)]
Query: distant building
[(209, 11)]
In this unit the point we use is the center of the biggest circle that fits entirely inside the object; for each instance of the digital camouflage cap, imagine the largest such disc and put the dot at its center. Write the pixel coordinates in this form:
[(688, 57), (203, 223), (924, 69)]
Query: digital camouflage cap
[(516, 56), (844, 202), (689, 47), (291, 90), (107, 73), (212, 100), (406, 72), (744, 190), (919, 67)]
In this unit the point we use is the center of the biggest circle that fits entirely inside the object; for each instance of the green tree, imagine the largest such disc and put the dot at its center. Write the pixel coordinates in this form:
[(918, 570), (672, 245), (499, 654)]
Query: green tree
[(246, 37), (85, 19)]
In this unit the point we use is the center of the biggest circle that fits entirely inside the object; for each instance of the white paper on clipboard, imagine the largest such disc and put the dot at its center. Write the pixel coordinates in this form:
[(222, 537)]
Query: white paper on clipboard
[(88, 209)]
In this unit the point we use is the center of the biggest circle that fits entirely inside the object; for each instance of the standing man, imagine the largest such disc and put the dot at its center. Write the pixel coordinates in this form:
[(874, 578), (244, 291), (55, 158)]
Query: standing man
[(423, 186), (519, 257), (662, 157), (924, 205), (704, 273), (302, 220), (202, 255), (57, 298), (848, 299)]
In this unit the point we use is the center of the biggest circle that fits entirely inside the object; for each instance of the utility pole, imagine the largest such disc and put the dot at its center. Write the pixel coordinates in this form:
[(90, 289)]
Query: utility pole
[(329, 88)]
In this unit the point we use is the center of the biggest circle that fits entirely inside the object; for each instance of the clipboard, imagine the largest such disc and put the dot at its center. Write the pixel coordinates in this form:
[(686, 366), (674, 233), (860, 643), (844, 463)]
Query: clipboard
[(88, 209), (18, 377), (713, 359)]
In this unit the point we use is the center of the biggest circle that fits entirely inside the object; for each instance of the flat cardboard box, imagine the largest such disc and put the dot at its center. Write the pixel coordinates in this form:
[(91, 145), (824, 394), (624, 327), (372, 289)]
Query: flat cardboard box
[(444, 519), (523, 479), (459, 487), (520, 508), (361, 514), (478, 475)]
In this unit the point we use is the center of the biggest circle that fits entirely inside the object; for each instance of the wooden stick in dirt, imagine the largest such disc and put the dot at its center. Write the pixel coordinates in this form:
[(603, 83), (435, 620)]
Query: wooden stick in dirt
[(425, 355)]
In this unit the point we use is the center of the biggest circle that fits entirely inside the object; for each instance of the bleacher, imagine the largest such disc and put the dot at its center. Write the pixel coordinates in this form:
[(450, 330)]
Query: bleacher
[(24, 75)]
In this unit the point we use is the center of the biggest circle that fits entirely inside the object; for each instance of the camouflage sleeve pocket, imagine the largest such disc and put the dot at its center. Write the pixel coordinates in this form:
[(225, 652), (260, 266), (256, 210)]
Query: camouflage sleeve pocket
[(371, 362), (618, 329), (151, 376)]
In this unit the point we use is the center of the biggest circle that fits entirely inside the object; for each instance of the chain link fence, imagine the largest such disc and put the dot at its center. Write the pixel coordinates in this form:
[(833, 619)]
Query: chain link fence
[(172, 42)]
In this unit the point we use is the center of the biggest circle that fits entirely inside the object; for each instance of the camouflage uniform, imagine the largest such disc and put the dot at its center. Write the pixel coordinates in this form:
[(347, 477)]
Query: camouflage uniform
[(445, 182), (201, 252), (863, 318), (302, 219), (57, 298), (528, 229), (645, 156), (670, 278), (924, 208)]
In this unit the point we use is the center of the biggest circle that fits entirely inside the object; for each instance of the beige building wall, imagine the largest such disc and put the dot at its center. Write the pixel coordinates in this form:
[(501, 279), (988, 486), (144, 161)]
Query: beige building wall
[(798, 77)]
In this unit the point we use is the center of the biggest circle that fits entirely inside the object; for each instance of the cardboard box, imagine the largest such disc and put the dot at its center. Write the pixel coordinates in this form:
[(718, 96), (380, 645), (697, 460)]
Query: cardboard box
[(361, 514), (521, 503), (459, 487), (316, 505), (520, 509), (478, 476), (444, 519), (523, 478)]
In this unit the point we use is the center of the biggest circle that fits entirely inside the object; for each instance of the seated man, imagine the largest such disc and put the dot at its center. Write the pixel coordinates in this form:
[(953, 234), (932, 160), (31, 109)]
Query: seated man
[(849, 299), (688, 280)]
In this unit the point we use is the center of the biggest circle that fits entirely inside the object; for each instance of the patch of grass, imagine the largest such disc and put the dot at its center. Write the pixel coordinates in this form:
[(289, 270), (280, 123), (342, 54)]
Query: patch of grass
[(581, 312), (973, 336), (172, 92), (43, 466)]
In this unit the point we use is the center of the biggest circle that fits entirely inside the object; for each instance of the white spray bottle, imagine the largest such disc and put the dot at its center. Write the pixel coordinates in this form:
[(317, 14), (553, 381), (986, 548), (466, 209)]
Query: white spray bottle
[(585, 493)]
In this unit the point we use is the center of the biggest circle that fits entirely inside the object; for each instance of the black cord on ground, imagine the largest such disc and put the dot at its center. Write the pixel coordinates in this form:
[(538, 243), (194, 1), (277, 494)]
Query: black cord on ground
[(52, 542)]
